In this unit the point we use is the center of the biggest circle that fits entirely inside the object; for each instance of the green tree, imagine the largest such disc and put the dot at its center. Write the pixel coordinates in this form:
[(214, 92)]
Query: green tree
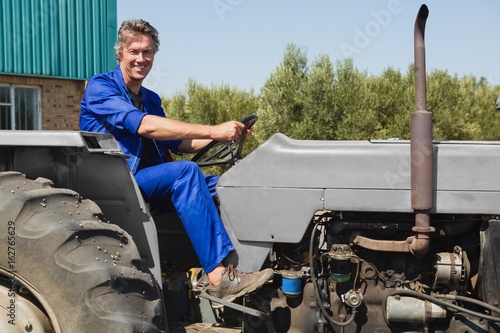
[(281, 98), (392, 98), (354, 102), (319, 102), (319, 120), (462, 107), (450, 122), (477, 99)]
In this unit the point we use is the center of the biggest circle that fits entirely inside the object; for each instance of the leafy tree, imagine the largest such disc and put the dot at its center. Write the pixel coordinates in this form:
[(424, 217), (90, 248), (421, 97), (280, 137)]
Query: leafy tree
[(462, 108), (319, 102), (282, 103), (477, 98), (318, 121), (449, 121), (392, 98), (354, 102)]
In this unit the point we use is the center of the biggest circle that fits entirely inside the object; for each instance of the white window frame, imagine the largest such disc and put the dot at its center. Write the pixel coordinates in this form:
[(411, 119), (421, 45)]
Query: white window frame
[(37, 113)]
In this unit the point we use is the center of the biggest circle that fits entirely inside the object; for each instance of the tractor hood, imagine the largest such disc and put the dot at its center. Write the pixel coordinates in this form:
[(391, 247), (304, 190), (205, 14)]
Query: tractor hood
[(284, 182)]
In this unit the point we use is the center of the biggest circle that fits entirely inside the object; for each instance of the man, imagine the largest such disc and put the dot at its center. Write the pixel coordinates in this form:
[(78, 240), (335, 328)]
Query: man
[(117, 103)]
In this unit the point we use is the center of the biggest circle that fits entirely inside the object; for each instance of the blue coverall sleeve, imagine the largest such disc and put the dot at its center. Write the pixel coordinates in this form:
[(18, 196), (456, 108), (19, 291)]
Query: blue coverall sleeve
[(107, 104), (153, 106)]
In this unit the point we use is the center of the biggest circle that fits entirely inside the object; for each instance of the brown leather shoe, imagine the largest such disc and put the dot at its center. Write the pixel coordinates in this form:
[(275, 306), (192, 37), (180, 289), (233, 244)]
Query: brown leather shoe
[(235, 283)]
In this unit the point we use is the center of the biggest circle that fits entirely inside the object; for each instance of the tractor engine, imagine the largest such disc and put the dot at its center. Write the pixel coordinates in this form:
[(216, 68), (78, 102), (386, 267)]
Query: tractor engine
[(329, 283)]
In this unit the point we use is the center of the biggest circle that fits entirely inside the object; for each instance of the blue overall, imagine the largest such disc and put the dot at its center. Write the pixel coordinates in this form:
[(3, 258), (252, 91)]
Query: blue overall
[(107, 107)]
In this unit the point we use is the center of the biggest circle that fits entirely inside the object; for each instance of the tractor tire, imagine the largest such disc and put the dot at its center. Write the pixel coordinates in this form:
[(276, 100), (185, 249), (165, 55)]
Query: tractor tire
[(83, 272)]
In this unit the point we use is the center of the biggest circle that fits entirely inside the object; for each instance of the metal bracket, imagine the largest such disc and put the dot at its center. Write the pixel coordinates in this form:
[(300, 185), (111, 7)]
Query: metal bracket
[(235, 306)]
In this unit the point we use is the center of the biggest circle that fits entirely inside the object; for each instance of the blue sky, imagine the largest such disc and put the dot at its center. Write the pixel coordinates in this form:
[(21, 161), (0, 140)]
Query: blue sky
[(241, 42)]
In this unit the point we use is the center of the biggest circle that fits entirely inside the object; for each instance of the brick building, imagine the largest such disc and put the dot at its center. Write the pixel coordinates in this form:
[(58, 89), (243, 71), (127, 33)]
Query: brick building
[(50, 48)]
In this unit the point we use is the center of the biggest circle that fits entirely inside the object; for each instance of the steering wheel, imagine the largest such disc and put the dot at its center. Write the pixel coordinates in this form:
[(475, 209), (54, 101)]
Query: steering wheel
[(229, 152)]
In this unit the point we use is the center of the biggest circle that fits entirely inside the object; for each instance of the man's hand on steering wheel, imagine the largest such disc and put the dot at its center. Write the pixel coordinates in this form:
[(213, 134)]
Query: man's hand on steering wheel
[(229, 152), (227, 131)]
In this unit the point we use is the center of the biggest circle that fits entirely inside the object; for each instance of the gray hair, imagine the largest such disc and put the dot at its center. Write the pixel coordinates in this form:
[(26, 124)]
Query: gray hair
[(133, 28)]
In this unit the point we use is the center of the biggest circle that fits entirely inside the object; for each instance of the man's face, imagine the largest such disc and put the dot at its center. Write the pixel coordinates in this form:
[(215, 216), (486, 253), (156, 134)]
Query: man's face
[(137, 59)]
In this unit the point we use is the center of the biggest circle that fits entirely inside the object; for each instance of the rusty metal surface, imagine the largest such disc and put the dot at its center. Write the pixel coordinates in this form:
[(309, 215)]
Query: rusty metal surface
[(421, 160), (421, 125), (382, 245), (421, 154), (419, 49)]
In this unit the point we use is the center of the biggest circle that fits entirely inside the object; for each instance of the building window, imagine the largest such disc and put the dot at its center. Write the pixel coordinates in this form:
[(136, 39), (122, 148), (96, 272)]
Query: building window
[(19, 108)]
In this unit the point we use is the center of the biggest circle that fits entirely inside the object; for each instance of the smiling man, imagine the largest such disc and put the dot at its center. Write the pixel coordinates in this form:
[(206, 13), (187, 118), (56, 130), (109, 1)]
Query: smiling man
[(137, 60), (117, 103)]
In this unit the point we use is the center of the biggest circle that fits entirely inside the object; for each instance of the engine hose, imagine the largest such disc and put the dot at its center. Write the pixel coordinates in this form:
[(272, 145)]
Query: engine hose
[(444, 304), (316, 289), (470, 300)]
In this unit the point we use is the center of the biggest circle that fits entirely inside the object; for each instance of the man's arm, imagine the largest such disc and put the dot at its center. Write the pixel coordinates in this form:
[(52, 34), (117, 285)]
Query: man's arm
[(193, 145), (193, 136)]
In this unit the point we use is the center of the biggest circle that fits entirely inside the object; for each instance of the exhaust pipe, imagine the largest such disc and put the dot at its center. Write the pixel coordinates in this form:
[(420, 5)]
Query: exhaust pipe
[(421, 154), (421, 147)]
